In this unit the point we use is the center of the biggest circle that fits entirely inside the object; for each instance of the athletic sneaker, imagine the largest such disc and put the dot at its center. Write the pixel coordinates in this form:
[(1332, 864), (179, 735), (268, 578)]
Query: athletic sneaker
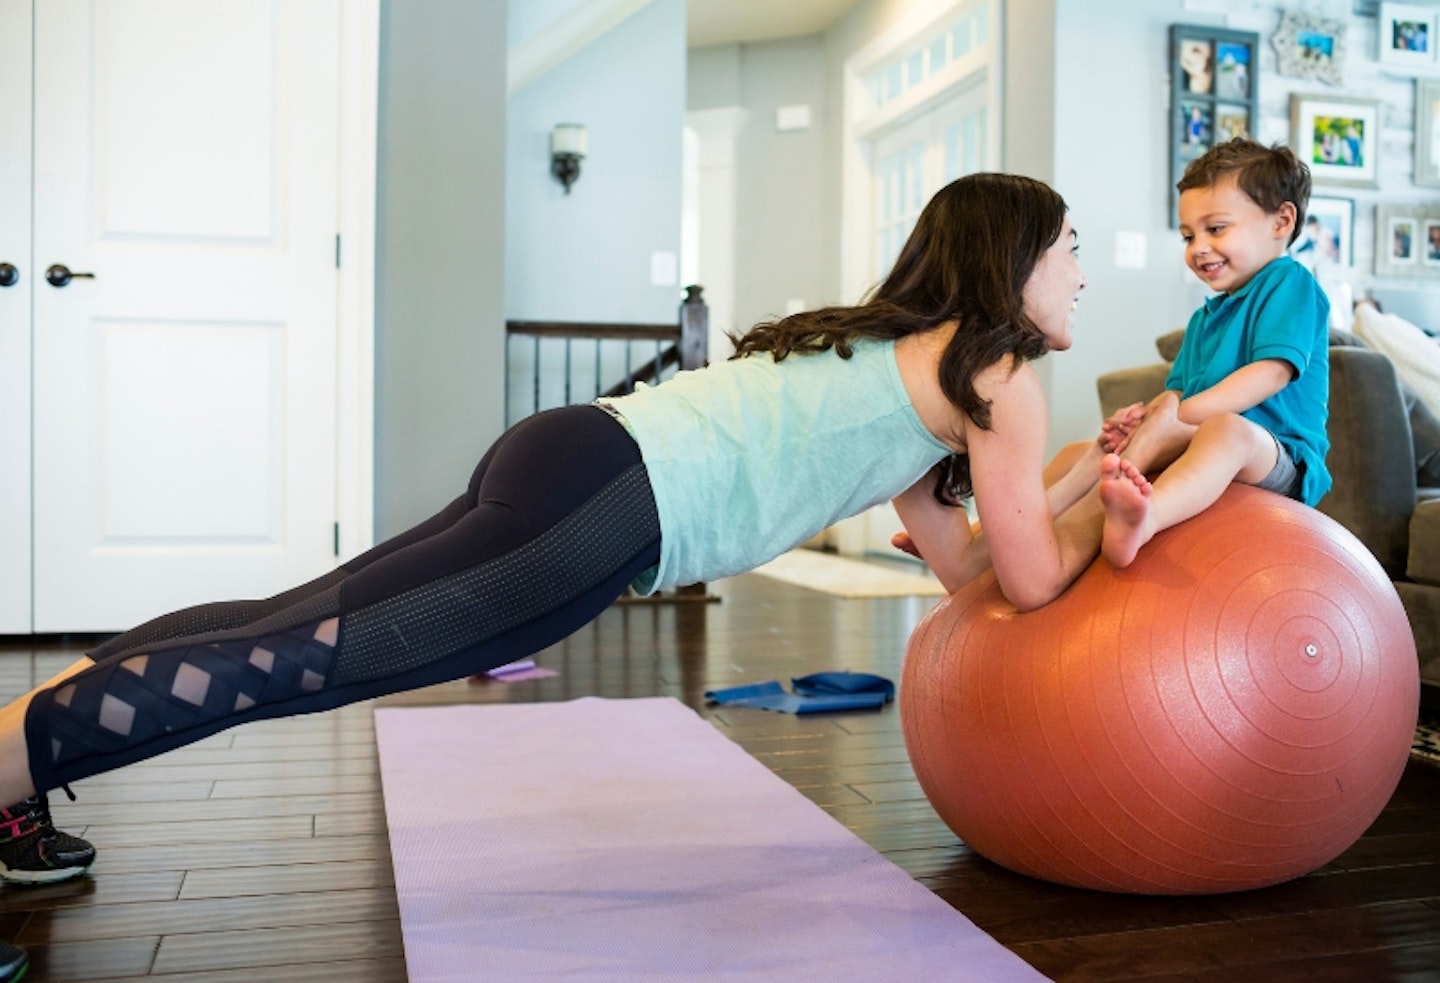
[(13, 962), (33, 851)]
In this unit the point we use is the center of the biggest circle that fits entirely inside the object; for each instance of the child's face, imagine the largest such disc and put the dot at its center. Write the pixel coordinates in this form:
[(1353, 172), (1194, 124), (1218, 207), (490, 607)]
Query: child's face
[(1053, 289), (1229, 238)]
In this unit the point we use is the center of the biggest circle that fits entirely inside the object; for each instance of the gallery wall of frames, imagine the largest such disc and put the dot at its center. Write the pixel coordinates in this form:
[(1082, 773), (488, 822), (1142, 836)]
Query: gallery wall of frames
[(1335, 90)]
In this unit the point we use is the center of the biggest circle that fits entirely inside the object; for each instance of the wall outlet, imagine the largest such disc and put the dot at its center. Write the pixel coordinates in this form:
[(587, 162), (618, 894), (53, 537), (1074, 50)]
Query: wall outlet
[(664, 269), (1130, 250)]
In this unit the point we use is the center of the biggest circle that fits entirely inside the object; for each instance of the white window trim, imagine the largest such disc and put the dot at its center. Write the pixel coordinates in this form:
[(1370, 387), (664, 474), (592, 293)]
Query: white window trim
[(863, 122)]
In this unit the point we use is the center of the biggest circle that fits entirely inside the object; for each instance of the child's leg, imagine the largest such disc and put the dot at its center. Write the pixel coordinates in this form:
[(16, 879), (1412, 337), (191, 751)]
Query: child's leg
[(1224, 448), (558, 522), (1160, 438)]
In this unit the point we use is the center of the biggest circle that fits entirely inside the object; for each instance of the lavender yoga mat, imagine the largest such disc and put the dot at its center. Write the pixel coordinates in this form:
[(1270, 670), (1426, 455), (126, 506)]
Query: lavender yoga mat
[(629, 840)]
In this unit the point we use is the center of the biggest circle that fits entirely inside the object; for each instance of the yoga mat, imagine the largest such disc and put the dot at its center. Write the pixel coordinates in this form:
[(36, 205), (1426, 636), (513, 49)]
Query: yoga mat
[(628, 840), (843, 577)]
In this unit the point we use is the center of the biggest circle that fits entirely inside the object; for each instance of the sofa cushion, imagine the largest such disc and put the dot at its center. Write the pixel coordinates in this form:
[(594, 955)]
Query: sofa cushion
[(1415, 354), (1168, 345), (1423, 563)]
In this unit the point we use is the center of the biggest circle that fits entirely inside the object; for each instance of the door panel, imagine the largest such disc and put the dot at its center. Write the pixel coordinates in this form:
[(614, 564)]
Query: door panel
[(185, 154), (15, 317)]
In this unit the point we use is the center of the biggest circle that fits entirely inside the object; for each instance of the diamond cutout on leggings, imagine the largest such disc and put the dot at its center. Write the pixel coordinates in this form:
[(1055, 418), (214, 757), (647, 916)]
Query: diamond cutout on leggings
[(243, 702), (136, 664), (116, 715), (191, 684), (262, 659), (310, 680)]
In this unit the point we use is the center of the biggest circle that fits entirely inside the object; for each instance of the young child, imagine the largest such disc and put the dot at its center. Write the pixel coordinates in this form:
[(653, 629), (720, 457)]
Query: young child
[(1249, 390)]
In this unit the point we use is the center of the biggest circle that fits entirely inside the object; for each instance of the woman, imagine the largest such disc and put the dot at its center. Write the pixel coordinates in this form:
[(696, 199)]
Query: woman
[(923, 394)]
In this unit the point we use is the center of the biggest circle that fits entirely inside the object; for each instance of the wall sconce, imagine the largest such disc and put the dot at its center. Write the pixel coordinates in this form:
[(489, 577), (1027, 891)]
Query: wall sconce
[(567, 149)]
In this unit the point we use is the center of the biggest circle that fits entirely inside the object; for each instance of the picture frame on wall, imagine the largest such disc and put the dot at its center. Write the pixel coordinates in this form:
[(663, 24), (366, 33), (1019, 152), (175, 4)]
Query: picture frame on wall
[(1327, 234), (1408, 37), (1310, 47), (1427, 133), (1407, 240), (1338, 138), (1214, 93)]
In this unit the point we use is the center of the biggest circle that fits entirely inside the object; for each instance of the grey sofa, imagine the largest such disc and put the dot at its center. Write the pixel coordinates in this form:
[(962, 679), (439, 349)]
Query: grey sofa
[(1385, 458)]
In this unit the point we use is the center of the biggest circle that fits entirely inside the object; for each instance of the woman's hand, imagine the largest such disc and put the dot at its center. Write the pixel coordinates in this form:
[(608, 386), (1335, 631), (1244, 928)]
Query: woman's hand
[(1115, 432)]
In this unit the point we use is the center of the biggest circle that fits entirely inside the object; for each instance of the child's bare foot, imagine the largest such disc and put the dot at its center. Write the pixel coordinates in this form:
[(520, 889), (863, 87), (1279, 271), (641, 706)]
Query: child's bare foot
[(1125, 495)]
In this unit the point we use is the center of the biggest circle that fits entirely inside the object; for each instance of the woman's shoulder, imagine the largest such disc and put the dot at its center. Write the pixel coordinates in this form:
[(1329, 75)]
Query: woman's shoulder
[(1010, 373)]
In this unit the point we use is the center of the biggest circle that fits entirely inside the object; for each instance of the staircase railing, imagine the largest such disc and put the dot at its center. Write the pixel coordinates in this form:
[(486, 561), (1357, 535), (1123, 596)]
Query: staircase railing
[(560, 363)]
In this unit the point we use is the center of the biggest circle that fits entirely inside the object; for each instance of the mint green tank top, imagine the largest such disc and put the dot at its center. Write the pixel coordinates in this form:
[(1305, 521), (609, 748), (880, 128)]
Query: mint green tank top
[(751, 457)]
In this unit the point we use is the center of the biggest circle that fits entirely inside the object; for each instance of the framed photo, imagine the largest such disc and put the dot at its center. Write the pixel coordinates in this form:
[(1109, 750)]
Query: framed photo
[(1213, 93), (1430, 254), (1427, 132), (1401, 241), (1408, 37), (1327, 235), (1310, 47), (1231, 122), (1338, 138), (1407, 240)]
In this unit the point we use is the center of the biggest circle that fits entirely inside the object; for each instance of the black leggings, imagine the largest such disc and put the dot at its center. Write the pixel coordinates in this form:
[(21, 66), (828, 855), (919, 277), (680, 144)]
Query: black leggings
[(557, 520)]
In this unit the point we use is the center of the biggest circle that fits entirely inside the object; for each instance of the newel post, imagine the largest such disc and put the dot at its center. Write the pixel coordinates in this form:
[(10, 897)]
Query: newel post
[(694, 329)]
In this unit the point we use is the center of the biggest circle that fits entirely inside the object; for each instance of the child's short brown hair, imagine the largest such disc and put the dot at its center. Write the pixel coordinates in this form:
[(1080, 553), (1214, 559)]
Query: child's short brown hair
[(1271, 176)]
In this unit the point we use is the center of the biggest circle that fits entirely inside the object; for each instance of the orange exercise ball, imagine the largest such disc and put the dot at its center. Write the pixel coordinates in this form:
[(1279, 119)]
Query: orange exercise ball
[(1230, 711)]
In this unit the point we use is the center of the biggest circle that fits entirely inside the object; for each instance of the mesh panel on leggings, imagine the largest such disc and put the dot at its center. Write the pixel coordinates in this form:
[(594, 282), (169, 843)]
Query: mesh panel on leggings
[(205, 618), (427, 623), (308, 611)]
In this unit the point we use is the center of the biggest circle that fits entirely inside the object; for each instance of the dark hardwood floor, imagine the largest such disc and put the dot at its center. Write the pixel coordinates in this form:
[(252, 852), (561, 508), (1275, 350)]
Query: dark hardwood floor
[(261, 853)]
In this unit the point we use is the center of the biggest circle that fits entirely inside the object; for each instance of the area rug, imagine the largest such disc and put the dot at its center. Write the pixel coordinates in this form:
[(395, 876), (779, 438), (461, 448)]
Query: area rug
[(629, 840), (844, 577)]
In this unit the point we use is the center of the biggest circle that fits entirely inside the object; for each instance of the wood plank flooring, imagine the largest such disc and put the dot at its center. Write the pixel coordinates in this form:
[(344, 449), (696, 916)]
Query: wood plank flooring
[(261, 853)]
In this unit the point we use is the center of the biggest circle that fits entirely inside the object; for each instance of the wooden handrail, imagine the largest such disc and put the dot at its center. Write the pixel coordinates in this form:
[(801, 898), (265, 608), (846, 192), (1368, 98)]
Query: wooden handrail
[(594, 329)]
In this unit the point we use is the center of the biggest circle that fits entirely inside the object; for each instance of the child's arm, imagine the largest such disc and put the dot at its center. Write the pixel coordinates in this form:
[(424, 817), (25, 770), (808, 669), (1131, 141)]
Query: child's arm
[(1169, 422), (1245, 388)]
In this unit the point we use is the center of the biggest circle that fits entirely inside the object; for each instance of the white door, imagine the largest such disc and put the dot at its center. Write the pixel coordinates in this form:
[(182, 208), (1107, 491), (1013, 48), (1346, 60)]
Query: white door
[(19, 273), (185, 154)]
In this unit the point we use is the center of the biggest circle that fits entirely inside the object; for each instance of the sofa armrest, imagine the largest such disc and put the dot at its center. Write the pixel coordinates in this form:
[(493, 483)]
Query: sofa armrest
[(1125, 386), (1371, 455), (1423, 566)]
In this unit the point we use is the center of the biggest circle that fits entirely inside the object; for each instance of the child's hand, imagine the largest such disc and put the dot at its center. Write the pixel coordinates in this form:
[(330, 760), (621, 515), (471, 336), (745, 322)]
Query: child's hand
[(1115, 432)]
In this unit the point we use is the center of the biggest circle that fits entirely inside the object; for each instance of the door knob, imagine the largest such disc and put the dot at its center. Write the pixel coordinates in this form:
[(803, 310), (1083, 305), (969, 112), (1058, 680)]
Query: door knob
[(9, 275), (59, 275)]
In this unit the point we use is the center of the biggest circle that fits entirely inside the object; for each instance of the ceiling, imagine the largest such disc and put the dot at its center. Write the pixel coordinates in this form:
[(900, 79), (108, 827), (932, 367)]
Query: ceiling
[(736, 21)]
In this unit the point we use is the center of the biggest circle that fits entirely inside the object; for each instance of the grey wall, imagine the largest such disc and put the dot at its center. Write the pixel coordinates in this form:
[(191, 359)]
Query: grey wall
[(779, 183), (439, 257), (586, 256)]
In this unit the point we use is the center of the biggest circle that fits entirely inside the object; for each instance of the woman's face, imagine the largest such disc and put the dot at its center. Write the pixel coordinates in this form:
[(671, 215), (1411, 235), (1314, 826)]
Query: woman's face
[(1053, 290)]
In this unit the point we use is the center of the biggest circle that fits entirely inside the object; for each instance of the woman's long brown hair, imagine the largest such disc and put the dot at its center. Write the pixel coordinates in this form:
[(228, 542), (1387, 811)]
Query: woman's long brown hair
[(968, 259)]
